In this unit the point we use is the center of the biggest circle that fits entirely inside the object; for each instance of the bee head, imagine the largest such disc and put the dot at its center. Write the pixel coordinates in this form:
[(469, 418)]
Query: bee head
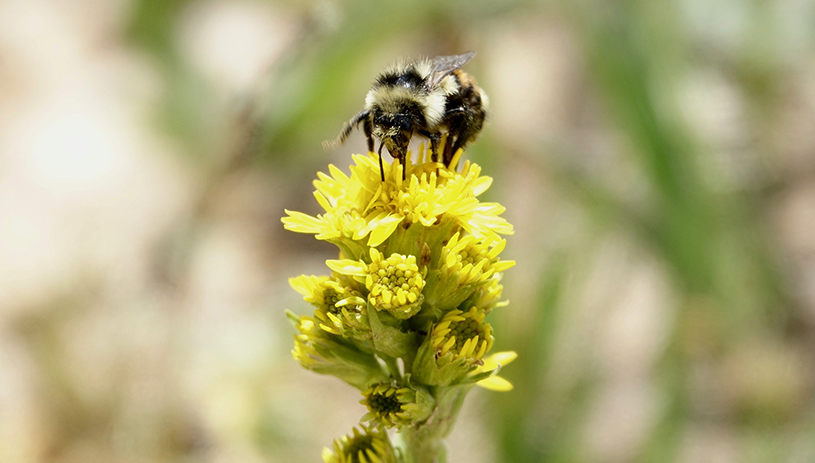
[(395, 131), (392, 122)]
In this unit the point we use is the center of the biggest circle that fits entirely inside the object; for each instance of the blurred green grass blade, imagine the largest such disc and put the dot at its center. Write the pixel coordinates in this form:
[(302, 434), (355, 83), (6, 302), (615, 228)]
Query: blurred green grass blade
[(184, 110), (523, 435), (710, 239), (620, 54)]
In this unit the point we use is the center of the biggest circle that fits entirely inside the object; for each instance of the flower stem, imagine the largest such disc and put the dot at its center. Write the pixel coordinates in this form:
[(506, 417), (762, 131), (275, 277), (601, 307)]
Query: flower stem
[(417, 447), (424, 442)]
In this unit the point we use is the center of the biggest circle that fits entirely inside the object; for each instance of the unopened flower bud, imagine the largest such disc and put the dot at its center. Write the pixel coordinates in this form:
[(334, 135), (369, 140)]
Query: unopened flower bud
[(392, 405), (365, 444)]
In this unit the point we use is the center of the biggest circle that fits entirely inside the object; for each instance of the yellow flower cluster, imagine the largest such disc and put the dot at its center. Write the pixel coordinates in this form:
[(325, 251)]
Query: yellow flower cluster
[(394, 284), (402, 314), (361, 205)]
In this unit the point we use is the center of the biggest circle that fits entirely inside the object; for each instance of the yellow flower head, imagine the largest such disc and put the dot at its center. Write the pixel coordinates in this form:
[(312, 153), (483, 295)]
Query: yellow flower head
[(309, 345), (362, 205), (462, 335), (474, 260), (365, 445), (394, 284)]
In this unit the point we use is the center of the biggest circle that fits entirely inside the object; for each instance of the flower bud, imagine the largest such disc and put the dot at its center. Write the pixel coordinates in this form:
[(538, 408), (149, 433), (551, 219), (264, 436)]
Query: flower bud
[(340, 309), (323, 352), (454, 348), (364, 445), (392, 405)]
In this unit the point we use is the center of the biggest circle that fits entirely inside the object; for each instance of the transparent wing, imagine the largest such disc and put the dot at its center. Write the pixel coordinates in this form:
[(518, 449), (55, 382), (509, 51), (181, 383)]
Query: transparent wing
[(444, 65)]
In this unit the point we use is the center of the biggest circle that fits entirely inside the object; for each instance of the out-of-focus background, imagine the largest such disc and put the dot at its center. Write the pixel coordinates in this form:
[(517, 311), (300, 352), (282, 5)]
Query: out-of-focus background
[(656, 158)]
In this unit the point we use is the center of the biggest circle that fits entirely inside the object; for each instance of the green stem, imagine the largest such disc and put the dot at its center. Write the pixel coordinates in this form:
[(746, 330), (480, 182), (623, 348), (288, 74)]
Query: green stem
[(424, 442), (418, 447)]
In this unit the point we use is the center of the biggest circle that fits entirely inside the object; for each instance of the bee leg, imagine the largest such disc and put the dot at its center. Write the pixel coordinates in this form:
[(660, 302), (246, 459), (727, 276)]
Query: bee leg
[(367, 127), (434, 149), (463, 137), (381, 167), (402, 152), (448, 149), (347, 128), (460, 131), (435, 139)]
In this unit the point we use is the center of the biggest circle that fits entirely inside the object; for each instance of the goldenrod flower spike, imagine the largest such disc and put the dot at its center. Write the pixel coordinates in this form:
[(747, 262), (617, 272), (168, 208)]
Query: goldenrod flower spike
[(402, 314)]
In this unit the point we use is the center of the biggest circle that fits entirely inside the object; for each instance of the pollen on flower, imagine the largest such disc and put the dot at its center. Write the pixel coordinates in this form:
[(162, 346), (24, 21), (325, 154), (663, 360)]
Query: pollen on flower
[(395, 284), (463, 335)]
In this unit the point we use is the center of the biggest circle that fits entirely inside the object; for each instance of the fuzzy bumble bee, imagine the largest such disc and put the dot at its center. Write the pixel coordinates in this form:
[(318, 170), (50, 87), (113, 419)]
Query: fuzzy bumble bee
[(429, 97)]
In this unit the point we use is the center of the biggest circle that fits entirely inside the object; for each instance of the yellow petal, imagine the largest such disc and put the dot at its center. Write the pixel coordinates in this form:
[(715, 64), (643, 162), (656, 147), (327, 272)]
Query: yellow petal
[(384, 229), (481, 185), (347, 267), (502, 265), (495, 383), (306, 284), (302, 223), (499, 358)]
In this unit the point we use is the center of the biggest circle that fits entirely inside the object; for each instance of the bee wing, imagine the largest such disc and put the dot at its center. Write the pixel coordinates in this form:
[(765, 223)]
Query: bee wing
[(444, 65)]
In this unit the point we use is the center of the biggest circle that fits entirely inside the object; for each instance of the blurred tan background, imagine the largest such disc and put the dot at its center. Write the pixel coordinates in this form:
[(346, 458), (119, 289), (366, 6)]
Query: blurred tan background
[(656, 158)]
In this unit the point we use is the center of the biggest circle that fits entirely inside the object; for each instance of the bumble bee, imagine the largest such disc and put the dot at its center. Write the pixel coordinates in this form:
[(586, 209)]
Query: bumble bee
[(426, 96)]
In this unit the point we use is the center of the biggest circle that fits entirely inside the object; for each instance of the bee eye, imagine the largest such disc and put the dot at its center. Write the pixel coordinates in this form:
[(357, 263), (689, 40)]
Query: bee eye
[(404, 123)]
